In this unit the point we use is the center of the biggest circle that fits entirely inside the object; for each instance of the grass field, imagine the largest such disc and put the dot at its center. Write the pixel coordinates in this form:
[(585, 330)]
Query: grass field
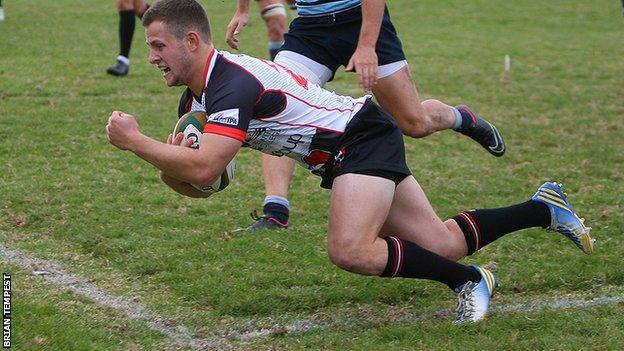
[(69, 197)]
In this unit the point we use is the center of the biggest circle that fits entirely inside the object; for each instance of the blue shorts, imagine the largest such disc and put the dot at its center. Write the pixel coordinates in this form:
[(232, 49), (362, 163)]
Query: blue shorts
[(331, 40)]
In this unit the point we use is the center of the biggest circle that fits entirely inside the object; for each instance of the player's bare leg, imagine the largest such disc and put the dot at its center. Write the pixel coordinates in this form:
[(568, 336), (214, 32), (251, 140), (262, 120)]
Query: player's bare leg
[(355, 218), (273, 13), (277, 173), (413, 218), (397, 94), (353, 244)]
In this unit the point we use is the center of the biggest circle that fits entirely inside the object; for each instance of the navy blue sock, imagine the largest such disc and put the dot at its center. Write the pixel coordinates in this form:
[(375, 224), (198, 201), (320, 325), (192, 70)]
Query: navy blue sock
[(468, 121), (276, 211)]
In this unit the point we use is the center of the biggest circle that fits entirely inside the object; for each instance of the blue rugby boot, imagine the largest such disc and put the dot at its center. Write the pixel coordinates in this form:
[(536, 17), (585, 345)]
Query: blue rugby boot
[(563, 219), (474, 298)]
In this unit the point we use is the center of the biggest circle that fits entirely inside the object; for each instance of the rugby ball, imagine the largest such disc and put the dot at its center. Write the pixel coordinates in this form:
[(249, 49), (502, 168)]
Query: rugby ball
[(192, 125)]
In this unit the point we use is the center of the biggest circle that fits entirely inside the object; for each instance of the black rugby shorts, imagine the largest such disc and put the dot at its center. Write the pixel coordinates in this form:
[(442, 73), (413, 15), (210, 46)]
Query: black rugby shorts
[(372, 144)]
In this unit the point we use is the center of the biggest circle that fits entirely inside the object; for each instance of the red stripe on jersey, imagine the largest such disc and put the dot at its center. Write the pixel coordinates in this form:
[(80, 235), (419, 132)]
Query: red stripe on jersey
[(225, 131), (206, 68)]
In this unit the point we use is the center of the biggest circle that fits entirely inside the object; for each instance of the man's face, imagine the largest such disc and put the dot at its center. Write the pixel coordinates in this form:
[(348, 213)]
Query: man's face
[(168, 53)]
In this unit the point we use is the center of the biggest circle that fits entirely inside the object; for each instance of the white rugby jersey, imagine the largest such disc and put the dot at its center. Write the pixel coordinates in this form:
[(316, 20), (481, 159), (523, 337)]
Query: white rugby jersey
[(270, 108)]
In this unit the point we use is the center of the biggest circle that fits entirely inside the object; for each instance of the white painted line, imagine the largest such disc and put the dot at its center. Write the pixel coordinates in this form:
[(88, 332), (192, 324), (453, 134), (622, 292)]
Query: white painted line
[(345, 322), (294, 327), (561, 303), (177, 333)]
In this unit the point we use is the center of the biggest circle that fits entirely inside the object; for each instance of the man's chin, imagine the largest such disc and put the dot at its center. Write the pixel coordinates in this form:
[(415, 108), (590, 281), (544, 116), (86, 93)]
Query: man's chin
[(172, 83)]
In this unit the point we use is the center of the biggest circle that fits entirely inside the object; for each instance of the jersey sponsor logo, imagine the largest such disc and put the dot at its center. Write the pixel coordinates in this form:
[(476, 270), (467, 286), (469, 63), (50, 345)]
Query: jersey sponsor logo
[(229, 117), (261, 138)]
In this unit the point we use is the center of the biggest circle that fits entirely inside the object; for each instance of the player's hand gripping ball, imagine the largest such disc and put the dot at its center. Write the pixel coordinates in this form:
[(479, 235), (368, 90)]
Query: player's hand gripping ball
[(192, 124)]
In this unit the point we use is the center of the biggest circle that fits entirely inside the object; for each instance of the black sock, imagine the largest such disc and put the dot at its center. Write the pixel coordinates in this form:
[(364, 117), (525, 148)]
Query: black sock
[(276, 211), (126, 31), (481, 227), (408, 260)]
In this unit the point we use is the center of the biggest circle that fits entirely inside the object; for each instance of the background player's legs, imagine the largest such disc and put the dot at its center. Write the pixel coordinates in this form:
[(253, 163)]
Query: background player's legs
[(273, 13), (397, 94), (278, 171), (127, 10)]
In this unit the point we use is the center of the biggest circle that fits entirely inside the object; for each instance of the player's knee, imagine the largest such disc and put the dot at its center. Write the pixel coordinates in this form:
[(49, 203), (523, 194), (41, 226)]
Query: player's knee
[(272, 11), (432, 107), (415, 129), (419, 124), (275, 23), (345, 261), (345, 257), (414, 125), (455, 247)]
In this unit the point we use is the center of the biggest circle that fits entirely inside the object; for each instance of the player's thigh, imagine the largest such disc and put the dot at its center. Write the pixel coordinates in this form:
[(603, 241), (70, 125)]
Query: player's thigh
[(397, 94), (411, 217), (358, 209)]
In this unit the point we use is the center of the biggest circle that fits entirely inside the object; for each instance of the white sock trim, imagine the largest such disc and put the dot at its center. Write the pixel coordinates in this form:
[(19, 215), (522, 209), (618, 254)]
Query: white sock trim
[(276, 199), (124, 60)]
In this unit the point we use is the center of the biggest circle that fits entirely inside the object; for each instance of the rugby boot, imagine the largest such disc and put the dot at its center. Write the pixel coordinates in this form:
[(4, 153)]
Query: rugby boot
[(562, 216), (262, 223), (119, 69), (483, 132), (474, 298)]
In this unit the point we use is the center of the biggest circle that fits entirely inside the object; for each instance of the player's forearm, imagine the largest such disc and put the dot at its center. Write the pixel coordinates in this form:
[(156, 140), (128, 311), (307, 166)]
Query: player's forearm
[(372, 16), (182, 163), (181, 187)]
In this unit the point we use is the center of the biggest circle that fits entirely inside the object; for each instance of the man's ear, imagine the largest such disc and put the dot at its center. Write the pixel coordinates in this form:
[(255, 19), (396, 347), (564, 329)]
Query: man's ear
[(193, 39)]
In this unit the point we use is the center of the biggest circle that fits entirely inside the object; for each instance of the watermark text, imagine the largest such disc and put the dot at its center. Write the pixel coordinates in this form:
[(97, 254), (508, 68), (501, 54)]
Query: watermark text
[(6, 311)]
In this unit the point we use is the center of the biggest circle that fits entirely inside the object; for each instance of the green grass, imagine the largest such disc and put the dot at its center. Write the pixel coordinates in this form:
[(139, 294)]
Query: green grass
[(69, 196), (47, 318)]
